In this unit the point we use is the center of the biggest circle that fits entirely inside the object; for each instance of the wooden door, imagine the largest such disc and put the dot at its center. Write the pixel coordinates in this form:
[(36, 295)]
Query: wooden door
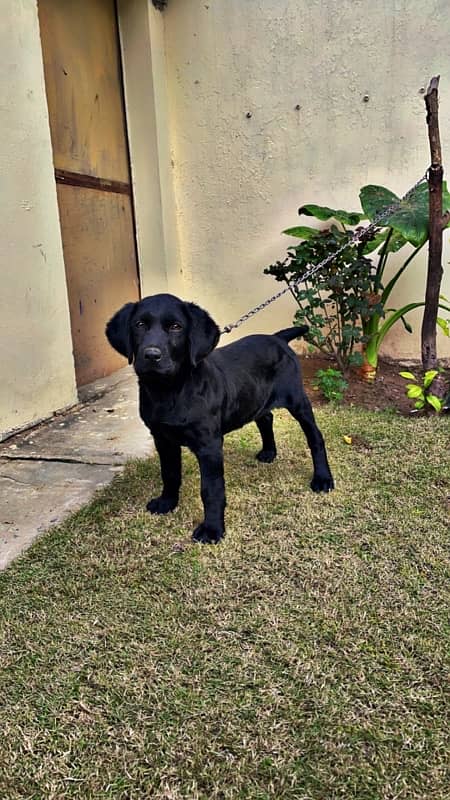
[(90, 152)]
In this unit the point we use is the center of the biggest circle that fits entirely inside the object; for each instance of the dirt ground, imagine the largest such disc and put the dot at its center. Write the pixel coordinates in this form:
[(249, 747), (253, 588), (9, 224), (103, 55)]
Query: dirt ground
[(388, 390)]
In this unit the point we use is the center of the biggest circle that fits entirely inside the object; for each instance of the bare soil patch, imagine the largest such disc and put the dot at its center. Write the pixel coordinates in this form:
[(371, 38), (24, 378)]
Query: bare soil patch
[(388, 390)]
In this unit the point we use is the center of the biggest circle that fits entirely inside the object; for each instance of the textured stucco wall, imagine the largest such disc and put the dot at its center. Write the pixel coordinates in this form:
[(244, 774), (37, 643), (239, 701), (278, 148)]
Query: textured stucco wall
[(36, 364), (145, 83), (239, 180)]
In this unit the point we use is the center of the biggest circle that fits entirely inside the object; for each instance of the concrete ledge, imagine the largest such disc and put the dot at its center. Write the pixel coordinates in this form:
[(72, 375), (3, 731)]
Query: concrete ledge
[(53, 469)]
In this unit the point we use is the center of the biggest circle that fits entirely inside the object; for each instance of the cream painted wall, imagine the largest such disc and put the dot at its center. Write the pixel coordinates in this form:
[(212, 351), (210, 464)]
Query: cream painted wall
[(239, 179), (144, 70), (221, 157), (134, 25), (36, 364)]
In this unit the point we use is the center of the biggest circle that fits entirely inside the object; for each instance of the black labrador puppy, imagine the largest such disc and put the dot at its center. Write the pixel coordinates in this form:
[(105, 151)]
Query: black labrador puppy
[(191, 394)]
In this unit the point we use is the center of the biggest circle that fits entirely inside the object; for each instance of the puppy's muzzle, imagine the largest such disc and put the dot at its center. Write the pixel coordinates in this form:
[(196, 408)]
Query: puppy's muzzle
[(152, 354)]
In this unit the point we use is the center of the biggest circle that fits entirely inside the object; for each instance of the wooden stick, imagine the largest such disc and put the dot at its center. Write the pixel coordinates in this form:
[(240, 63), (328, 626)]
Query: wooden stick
[(432, 106), (434, 272)]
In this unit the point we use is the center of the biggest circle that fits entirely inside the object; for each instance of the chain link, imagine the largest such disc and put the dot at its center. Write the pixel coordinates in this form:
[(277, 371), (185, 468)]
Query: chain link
[(359, 235)]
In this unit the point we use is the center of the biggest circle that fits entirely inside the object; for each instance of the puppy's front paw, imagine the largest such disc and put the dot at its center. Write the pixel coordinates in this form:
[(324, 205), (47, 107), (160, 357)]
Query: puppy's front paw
[(205, 534), (162, 505), (266, 456), (322, 483)]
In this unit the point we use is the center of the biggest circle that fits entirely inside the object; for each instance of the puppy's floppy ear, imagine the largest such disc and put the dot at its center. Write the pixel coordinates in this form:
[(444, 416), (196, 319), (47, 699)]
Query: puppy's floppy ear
[(203, 335), (118, 331)]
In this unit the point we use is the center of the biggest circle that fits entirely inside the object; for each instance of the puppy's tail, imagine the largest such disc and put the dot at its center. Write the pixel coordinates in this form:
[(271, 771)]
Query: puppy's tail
[(292, 333)]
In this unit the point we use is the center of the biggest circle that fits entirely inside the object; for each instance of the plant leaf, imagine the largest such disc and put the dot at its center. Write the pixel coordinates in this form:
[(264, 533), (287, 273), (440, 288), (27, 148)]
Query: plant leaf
[(411, 220), (301, 232), (406, 325), (444, 325), (414, 391), (323, 213), (408, 375), (373, 346), (429, 377), (434, 401), (374, 198)]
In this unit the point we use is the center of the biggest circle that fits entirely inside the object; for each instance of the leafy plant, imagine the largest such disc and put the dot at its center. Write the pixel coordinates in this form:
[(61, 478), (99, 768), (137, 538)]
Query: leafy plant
[(346, 303), (331, 383), (409, 224), (334, 301), (418, 391)]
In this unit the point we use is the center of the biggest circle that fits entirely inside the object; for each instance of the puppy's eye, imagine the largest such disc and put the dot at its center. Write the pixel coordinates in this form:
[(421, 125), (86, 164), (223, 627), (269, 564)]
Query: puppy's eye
[(140, 324), (175, 326)]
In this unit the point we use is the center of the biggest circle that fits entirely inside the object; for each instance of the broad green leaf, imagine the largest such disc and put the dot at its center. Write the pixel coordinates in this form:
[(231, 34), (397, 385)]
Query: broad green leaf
[(413, 391), (434, 401), (444, 325), (323, 213), (375, 198), (419, 404), (301, 232), (408, 375), (429, 377), (411, 219)]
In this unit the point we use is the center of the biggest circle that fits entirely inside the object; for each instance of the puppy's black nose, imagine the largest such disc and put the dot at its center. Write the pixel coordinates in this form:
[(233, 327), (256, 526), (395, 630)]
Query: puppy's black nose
[(152, 353)]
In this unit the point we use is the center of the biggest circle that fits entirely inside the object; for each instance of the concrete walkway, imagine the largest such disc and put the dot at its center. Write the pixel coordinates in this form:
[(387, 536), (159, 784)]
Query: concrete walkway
[(51, 470)]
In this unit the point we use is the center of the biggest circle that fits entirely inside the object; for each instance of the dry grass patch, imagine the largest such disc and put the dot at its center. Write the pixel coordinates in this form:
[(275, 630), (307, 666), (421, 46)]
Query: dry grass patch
[(305, 657)]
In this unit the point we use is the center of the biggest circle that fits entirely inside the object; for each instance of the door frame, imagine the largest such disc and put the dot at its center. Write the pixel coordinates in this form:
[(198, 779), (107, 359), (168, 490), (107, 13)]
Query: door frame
[(141, 32), (88, 122)]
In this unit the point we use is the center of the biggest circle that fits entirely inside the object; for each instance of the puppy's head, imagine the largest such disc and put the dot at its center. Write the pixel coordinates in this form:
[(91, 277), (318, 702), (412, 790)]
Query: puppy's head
[(162, 334)]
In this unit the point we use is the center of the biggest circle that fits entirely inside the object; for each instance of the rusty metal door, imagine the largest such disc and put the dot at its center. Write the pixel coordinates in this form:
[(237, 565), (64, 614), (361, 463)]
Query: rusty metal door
[(83, 79)]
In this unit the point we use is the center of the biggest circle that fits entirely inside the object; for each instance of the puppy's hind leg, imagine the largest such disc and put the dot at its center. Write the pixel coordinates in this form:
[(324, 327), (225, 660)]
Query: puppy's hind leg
[(301, 410), (170, 460), (265, 427)]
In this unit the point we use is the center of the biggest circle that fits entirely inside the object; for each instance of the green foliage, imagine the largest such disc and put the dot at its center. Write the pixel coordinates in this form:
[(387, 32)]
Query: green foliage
[(444, 324), (334, 302), (331, 383), (324, 213), (345, 303), (411, 220), (418, 391)]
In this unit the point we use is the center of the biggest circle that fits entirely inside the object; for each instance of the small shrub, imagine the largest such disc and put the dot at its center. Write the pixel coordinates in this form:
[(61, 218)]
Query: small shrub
[(335, 300), (331, 383), (346, 303), (418, 391)]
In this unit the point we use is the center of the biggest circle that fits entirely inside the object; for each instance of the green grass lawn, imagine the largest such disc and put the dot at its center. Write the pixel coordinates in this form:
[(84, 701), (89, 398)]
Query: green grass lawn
[(307, 656)]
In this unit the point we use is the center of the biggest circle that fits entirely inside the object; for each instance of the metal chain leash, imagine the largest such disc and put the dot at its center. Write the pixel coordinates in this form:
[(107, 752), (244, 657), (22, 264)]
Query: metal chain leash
[(360, 234)]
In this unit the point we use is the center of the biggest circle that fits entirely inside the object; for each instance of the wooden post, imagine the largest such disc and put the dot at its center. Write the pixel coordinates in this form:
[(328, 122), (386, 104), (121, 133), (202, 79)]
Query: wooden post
[(436, 223)]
